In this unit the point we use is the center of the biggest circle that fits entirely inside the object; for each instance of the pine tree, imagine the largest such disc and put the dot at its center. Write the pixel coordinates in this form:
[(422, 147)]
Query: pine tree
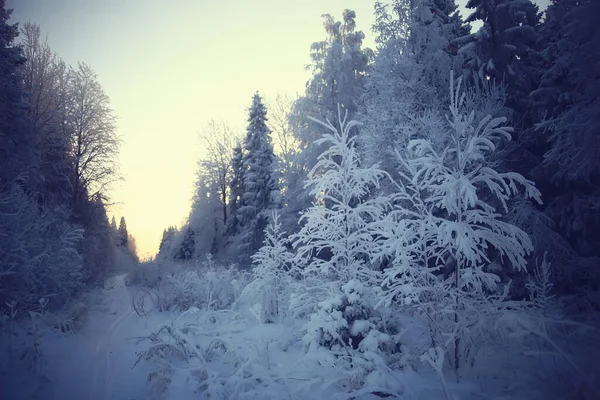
[(123, 235), (235, 191), (188, 245), (17, 138), (259, 181), (338, 244), (568, 104), (113, 223), (167, 239), (503, 48)]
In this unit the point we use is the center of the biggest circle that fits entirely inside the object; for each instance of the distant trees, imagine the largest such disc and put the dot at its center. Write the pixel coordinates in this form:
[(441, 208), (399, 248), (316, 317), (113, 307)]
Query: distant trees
[(216, 165), (123, 234), (167, 237)]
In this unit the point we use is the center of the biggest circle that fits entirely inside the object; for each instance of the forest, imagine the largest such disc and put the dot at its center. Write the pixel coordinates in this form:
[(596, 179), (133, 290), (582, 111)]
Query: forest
[(422, 222)]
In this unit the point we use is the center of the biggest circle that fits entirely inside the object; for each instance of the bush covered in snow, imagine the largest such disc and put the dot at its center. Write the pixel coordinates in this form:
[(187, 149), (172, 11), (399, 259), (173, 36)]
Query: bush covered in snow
[(177, 287)]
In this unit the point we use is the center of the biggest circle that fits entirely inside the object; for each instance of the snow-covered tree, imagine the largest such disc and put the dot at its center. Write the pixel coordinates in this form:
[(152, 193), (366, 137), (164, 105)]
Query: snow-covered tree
[(338, 244), (448, 224), (271, 265), (337, 235), (416, 49), (259, 180), (236, 190), (216, 165), (188, 244), (502, 49), (339, 66)]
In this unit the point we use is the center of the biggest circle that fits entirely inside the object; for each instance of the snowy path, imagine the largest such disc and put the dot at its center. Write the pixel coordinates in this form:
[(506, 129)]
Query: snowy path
[(104, 368), (96, 362)]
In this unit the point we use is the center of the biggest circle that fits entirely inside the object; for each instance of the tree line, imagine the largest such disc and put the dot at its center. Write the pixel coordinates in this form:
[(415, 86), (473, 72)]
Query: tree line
[(58, 158)]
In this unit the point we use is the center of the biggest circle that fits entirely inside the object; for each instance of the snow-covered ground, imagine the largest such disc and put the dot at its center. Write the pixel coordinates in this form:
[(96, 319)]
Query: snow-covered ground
[(226, 353)]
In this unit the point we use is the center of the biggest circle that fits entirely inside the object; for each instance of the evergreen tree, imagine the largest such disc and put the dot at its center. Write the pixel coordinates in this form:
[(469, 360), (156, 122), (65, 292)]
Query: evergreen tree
[(113, 223), (270, 265), (17, 138), (167, 239), (123, 235), (503, 48), (259, 181), (235, 191), (568, 105), (188, 245)]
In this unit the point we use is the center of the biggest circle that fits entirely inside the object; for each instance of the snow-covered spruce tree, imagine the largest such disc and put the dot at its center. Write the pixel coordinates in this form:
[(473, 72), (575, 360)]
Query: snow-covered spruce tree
[(446, 226), (271, 265), (337, 243), (502, 48), (188, 245), (235, 191), (261, 192)]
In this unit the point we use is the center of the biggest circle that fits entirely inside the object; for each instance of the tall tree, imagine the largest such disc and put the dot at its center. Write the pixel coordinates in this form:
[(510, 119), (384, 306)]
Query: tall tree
[(416, 51), (339, 66), (568, 104), (235, 191), (45, 81), (503, 48), (17, 138), (215, 167), (260, 187), (94, 141)]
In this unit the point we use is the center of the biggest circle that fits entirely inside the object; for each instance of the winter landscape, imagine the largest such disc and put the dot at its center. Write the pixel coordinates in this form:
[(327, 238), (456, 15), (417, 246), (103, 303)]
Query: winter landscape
[(421, 221)]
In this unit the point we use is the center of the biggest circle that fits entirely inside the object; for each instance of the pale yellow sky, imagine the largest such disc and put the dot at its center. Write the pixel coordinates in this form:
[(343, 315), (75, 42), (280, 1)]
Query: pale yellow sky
[(169, 67)]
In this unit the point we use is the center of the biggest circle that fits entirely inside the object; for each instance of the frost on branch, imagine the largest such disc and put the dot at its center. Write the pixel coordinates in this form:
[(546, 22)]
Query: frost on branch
[(338, 232)]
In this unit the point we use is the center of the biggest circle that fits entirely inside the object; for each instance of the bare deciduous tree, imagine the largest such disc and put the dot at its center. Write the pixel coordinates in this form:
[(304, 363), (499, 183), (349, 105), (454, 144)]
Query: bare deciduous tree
[(43, 75), (285, 143), (218, 140), (94, 141)]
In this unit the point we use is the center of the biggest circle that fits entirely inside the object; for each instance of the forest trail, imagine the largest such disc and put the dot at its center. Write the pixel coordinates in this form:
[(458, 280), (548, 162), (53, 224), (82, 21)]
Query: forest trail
[(105, 359), (95, 362)]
